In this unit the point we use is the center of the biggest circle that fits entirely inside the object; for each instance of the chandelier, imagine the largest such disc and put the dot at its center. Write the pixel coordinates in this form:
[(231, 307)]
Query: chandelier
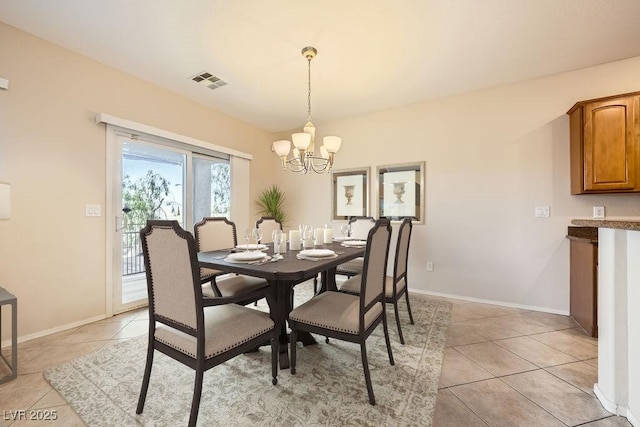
[(304, 158)]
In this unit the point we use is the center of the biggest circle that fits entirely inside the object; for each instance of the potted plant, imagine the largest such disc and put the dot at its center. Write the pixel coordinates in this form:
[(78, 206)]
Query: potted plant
[(271, 203)]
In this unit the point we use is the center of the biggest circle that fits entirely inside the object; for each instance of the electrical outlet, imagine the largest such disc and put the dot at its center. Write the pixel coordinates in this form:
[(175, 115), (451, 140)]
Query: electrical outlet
[(598, 212), (541, 212), (429, 266)]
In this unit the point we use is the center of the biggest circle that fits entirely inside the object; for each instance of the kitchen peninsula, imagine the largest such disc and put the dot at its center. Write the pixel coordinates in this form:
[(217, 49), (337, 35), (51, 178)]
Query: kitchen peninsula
[(618, 386)]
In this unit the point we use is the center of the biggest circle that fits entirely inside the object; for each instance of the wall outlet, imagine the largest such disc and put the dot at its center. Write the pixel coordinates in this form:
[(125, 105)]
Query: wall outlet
[(429, 266), (541, 212), (598, 212)]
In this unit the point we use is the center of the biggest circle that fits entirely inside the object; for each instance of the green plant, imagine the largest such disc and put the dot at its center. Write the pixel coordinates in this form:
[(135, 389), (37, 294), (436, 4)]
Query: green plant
[(271, 202)]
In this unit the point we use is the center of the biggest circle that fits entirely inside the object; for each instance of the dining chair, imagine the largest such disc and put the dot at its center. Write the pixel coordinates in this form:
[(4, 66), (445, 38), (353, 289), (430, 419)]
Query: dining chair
[(197, 331), (215, 233), (267, 225), (350, 317), (359, 227), (395, 285)]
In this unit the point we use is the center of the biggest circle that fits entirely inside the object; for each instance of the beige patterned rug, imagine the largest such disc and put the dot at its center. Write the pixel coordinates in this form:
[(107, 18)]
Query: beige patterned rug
[(328, 388)]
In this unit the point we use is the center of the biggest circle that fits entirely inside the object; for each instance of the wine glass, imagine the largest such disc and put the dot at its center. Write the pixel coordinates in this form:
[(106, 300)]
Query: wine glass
[(257, 235), (345, 229), (276, 236), (248, 234)]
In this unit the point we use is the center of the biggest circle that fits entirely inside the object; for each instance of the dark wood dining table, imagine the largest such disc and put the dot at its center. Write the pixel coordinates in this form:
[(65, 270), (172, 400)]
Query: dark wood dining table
[(282, 276)]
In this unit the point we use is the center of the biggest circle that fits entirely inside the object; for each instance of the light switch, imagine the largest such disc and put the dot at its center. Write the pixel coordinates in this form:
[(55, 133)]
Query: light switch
[(92, 210), (541, 212)]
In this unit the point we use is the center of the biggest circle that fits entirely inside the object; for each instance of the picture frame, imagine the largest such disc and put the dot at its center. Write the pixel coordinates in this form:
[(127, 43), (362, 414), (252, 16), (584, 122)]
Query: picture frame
[(349, 193), (400, 191)]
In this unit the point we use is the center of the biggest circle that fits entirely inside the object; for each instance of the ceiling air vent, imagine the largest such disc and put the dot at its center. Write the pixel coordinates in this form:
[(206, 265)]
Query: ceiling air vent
[(209, 80)]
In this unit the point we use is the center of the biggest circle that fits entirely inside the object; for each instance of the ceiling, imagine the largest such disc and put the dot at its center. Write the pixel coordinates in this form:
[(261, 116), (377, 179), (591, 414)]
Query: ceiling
[(372, 54)]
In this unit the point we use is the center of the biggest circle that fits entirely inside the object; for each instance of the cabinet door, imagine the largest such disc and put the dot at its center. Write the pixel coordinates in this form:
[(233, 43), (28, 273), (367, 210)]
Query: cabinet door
[(610, 145)]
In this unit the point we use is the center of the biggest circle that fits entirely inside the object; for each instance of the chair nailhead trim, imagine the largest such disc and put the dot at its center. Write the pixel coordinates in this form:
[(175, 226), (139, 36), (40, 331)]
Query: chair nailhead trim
[(209, 356)]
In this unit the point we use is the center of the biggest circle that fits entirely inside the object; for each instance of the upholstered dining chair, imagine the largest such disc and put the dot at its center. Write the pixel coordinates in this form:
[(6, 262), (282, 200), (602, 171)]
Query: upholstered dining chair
[(267, 225), (196, 331), (396, 285), (359, 227), (351, 317), (215, 233)]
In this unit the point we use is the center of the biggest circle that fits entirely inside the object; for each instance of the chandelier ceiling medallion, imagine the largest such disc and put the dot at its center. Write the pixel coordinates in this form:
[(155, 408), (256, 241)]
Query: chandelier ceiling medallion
[(304, 159)]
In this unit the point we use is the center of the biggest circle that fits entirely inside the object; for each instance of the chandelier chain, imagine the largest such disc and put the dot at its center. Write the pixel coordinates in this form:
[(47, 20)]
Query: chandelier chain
[(309, 92)]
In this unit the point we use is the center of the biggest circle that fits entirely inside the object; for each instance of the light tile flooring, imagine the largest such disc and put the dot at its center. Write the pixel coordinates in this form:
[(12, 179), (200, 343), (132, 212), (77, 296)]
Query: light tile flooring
[(510, 367), (502, 367)]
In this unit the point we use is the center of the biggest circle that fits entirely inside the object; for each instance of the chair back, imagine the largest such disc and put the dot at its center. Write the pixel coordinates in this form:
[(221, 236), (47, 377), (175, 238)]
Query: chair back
[(402, 250), (213, 233), (267, 225), (360, 226), (173, 277), (375, 264)]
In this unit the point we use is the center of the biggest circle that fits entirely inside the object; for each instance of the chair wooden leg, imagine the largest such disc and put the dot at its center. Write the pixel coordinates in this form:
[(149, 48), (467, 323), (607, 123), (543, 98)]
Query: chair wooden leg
[(406, 294), (395, 309), (315, 285), (386, 337), (292, 343), (367, 375), (275, 355), (145, 378), (197, 392)]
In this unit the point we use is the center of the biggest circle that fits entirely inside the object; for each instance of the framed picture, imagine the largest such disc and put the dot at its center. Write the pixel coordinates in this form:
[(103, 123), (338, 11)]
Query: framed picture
[(401, 191), (349, 193)]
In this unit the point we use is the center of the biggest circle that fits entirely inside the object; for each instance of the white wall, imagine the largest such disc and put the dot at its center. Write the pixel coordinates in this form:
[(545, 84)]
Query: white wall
[(52, 152), (491, 157)]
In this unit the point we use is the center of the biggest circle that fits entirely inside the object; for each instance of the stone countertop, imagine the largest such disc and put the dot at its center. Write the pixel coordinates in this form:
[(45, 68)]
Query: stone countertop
[(620, 223)]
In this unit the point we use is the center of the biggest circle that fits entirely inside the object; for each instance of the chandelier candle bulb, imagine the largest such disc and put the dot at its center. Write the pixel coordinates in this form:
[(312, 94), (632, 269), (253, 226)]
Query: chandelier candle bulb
[(294, 240)]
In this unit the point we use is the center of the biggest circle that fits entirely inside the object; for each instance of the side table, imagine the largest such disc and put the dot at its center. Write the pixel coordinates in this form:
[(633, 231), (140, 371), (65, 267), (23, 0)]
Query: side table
[(8, 298)]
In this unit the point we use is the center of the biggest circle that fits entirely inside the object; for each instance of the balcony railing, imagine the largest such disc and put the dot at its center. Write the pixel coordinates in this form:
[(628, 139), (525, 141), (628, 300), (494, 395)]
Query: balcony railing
[(132, 260)]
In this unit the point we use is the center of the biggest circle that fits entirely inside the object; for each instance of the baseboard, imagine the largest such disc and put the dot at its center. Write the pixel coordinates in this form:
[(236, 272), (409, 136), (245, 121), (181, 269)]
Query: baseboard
[(40, 334), (633, 419), (606, 403), (492, 302)]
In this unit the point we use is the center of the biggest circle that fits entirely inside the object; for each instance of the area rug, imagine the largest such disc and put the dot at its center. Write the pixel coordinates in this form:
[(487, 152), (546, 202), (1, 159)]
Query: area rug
[(328, 388)]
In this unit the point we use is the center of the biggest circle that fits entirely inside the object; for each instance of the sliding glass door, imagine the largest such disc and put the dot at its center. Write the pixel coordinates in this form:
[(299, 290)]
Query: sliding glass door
[(158, 180)]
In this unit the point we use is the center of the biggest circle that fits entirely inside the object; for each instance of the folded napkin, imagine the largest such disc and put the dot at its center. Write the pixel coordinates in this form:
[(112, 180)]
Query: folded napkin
[(312, 258), (354, 243)]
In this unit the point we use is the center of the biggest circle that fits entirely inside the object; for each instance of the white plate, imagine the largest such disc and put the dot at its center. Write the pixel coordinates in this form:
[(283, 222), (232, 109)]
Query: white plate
[(341, 238), (246, 256), (252, 246), (317, 253), (355, 243)]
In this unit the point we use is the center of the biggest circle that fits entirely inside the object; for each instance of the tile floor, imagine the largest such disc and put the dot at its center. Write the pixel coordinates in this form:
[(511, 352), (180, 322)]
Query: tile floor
[(502, 367), (510, 367)]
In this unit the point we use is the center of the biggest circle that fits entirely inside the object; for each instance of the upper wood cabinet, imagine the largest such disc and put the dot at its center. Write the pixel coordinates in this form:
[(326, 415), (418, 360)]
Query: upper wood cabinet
[(605, 145)]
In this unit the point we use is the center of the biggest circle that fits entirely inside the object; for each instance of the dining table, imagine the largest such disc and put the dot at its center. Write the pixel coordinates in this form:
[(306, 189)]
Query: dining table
[(283, 275)]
